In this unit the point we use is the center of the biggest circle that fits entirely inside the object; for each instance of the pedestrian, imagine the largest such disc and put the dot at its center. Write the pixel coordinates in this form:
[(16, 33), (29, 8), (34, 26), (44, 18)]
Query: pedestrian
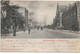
[(38, 28), (24, 29), (29, 30), (41, 28), (6, 31)]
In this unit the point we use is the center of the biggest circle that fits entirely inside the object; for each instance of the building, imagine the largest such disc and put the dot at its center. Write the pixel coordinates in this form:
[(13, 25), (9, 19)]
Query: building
[(71, 18), (11, 19), (24, 12), (57, 22), (0, 20), (68, 17), (78, 12)]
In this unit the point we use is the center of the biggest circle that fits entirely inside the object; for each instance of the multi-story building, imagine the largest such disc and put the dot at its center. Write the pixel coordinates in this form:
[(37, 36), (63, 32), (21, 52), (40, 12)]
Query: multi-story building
[(78, 12), (4, 18), (58, 19), (70, 18), (24, 12), (13, 18)]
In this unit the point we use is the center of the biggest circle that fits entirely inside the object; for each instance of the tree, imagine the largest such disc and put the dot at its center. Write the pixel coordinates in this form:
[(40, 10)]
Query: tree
[(17, 18), (13, 17), (4, 20)]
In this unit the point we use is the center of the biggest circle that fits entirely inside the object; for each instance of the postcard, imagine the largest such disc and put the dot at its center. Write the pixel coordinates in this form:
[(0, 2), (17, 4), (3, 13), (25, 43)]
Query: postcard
[(40, 26)]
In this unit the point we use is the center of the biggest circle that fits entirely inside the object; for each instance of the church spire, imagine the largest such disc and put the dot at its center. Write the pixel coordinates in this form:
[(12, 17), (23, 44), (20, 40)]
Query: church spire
[(57, 11)]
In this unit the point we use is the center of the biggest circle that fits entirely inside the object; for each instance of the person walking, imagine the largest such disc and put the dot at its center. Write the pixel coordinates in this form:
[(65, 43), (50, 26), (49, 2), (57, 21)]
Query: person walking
[(29, 30)]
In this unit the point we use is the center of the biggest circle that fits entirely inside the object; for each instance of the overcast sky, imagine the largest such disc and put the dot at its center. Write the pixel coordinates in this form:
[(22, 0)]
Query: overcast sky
[(42, 9)]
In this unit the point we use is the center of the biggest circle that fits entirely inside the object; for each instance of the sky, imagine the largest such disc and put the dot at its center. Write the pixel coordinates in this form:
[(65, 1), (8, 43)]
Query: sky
[(44, 11)]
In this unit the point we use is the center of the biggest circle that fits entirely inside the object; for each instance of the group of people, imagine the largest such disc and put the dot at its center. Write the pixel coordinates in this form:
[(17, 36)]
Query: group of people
[(40, 28), (29, 29)]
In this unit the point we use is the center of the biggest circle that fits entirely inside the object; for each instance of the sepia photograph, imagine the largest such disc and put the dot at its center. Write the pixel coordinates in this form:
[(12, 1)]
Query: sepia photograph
[(40, 26), (40, 19)]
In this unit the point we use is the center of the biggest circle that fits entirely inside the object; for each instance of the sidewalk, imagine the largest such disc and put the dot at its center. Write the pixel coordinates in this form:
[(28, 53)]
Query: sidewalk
[(20, 33), (71, 31)]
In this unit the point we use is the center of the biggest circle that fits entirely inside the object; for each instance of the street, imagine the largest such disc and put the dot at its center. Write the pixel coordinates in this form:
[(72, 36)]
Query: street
[(45, 33)]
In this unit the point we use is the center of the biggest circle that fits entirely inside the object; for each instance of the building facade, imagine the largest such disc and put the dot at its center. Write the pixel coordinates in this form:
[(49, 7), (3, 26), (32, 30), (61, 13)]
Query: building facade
[(70, 20), (57, 22), (78, 12), (7, 23), (68, 17), (24, 12)]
